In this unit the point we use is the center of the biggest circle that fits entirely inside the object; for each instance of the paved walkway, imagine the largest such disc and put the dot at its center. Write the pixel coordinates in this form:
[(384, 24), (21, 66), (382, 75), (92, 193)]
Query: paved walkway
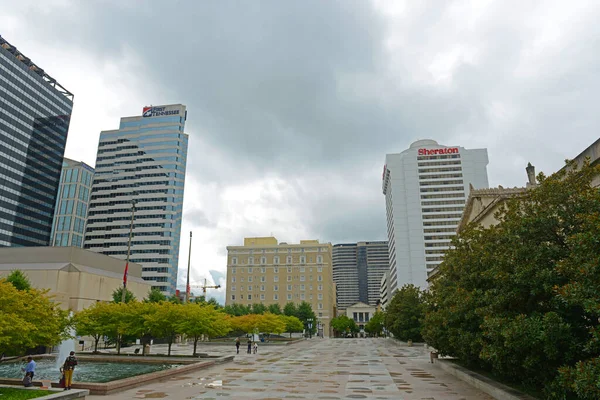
[(327, 369)]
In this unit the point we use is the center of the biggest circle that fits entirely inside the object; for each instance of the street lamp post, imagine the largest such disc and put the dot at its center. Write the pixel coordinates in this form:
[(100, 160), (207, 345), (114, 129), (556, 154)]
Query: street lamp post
[(128, 253), (310, 320)]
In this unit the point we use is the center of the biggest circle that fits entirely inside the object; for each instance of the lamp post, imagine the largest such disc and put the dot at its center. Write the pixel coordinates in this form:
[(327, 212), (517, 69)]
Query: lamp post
[(187, 286), (310, 321), (128, 253)]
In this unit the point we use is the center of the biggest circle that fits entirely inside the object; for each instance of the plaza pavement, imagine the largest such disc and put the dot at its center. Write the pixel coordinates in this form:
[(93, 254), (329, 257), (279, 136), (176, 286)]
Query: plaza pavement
[(327, 369)]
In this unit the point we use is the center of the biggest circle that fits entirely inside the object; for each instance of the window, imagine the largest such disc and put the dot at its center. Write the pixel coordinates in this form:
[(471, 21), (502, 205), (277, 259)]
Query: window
[(242, 279), (275, 278), (249, 297), (241, 297), (320, 296), (289, 270), (310, 260), (302, 269), (241, 288), (289, 278), (249, 279), (320, 306), (262, 288), (320, 287), (275, 296), (302, 297), (276, 287), (262, 296), (234, 260), (289, 259), (302, 260), (310, 297), (233, 297), (320, 314), (302, 278), (263, 260), (250, 262), (320, 278), (289, 296), (263, 270), (276, 260), (319, 259), (233, 279), (319, 269), (249, 288), (301, 287), (263, 279), (233, 288), (249, 270), (276, 270), (289, 287), (310, 287)]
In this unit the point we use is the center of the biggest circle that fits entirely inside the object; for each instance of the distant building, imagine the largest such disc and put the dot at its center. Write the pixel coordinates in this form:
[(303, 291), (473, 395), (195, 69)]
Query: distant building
[(265, 271), (593, 153), (72, 202), (142, 161), (384, 291), (357, 271), (35, 112), (425, 188), (76, 278), (361, 313)]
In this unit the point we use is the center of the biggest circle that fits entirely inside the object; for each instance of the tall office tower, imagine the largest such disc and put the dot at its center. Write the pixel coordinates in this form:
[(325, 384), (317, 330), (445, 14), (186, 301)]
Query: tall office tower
[(357, 271), (267, 272), (425, 189), (140, 172), (35, 112), (72, 204)]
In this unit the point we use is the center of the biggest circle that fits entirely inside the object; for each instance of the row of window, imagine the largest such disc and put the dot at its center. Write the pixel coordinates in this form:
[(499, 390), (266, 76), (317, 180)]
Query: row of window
[(275, 297), (276, 288), (276, 278), (263, 270), (276, 260)]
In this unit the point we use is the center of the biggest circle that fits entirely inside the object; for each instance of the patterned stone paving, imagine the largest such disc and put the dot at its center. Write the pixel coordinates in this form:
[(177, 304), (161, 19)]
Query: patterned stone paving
[(328, 369)]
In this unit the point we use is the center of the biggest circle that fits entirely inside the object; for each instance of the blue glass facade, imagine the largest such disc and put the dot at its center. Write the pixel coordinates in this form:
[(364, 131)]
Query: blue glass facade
[(144, 161), (35, 112)]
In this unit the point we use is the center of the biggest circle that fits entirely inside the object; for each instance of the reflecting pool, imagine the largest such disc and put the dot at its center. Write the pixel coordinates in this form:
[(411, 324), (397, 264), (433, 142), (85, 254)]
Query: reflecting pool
[(86, 371)]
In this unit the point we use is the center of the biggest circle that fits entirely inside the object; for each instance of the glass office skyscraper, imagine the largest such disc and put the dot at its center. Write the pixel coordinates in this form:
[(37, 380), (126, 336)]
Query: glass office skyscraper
[(141, 164), (72, 203), (35, 112)]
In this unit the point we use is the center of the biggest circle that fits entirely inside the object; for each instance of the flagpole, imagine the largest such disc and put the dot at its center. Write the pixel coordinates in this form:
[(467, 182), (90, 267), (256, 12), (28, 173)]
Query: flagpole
[(128, 253), (187, 286)]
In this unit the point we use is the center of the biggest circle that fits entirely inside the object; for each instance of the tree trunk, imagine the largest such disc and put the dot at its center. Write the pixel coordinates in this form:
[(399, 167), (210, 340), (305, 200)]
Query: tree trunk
[(119, 344), (195, 343), (97, 339), (170, 343)]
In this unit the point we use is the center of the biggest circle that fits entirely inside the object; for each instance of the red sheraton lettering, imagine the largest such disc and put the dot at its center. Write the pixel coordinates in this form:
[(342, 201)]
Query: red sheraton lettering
[(447, 150)]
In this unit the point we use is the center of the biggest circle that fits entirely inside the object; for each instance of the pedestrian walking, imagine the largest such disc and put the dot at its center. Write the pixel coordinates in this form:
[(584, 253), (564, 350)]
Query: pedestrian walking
[(68, 368), (29, 372), (255, 347), (237, 345), (249, 346)]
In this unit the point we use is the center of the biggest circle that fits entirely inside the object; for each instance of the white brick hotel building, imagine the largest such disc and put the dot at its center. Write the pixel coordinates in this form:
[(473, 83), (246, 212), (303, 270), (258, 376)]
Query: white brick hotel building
[(425, 190)]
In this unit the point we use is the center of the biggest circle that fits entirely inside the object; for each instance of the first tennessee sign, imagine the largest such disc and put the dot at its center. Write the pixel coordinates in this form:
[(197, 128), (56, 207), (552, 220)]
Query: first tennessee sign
[(158, 111), (432, 152)]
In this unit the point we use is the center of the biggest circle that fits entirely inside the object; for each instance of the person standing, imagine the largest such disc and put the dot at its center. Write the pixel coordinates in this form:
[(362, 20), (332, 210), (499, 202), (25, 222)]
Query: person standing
[(29, 372), (69, 367), (249, 346), (255, 347), (237, 345)]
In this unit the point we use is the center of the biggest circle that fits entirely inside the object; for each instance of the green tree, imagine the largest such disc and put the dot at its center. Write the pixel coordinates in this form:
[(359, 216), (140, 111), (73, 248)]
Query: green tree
[(258, 308), (164, 321), (174, 300), (214, 303), (155, 296), (275, 308), (198, 320), (290, 310), (236, 309), (304, 312), (29, 318), (292, 324), (271, 323), (118, 294), (94, 321), (343, 324), (521, 298), (405, 313), (19, 280), (375, 324)]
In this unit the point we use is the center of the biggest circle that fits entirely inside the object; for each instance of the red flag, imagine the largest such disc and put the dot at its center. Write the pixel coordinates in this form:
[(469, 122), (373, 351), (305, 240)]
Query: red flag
[(125, 274)]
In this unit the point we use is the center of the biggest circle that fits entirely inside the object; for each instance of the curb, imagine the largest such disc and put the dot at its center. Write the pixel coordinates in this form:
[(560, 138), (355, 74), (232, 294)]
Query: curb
[(495, 389), (60, 393)]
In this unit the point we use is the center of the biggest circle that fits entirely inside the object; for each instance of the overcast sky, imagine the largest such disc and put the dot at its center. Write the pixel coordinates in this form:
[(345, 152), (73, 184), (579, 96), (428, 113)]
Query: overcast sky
[(292, 105)]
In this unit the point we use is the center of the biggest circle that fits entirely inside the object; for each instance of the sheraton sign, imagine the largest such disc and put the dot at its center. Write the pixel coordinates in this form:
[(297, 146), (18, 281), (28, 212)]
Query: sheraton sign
[(432, 152)]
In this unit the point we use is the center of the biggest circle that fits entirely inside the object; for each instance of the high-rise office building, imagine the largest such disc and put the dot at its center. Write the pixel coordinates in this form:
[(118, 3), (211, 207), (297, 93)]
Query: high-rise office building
[(35, 112), (140, 171), (357, 271), (425, 189), (72, 204), (265, 271)]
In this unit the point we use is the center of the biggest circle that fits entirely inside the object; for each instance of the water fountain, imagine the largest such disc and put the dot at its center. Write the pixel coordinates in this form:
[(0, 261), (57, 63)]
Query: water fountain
[(65, 348)]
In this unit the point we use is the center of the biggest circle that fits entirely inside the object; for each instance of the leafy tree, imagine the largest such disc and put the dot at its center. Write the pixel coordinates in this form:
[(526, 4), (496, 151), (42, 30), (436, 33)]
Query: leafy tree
[(164, 321), (175, 300), (271, 323), (292, 324), (375, 324), (275, 308), (118, 294), (94, 321), (290, 309), (405, 313), (258, 308), (214, 303), (199, 320), (521, 298), (29, 319), (236, 309), (343, 324), (246, 323), (19, 280), (304, 312), (154, 296)]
